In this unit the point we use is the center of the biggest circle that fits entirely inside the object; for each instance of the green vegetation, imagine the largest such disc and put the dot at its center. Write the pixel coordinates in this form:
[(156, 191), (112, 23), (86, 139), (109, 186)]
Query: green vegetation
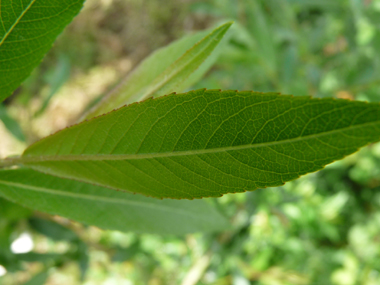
[(206, 143), (107, 209), (27, 31), (320, 229)]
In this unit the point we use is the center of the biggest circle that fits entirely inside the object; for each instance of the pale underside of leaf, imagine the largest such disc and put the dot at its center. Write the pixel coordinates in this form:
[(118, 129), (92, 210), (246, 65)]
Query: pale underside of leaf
[(207, 143), (106, 208), (163, 73)]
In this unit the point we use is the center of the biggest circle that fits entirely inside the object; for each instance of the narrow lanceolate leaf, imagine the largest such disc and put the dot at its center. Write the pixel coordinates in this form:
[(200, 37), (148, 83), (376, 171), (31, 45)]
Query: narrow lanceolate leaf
[(207, 143), (106, 208), (28, 29), (173, 68)]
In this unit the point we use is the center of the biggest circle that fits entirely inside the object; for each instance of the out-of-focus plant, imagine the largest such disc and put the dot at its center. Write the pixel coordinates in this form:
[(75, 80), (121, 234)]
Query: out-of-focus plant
[(203, 143)]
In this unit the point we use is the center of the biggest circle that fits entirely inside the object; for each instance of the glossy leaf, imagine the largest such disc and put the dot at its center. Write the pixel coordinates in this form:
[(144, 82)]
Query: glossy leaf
[(172, 68), (107, 208), (28, 29), (207, 143)]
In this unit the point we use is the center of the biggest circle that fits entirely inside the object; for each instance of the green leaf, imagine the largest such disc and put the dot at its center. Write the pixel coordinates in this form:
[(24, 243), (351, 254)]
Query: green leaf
[(106, 208), (38, 279), (56, 79), (38, 257), (28, 29), (173, 68), (320, 3), (83, 259), (13, 212), (11, 124), (52, 229), (207, 143)]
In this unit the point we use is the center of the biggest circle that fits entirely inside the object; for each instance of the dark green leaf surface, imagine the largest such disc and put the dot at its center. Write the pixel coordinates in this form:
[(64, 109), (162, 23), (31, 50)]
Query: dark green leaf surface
[(207, 143), (172, 68), (107, 208), (38, 257), (52, 230), (28, 29)]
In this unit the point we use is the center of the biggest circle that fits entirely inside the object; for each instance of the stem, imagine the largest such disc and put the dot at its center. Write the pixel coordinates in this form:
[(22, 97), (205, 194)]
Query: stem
[(10, 161), (197, 270)]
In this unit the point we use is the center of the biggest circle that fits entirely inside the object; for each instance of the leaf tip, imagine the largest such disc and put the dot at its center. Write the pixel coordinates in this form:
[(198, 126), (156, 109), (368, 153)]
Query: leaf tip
[(228, 24)]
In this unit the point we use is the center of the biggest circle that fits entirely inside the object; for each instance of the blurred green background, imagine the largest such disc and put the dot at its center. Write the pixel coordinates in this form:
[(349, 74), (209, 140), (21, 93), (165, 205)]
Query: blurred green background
[(321, 229)]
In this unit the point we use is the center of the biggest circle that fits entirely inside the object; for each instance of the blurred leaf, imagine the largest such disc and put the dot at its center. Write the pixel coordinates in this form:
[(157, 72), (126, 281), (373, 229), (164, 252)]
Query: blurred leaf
[(27, 33), (261, 32), (52, 230), (207, 143), (106, 208), (37, 257), (12, 212), (58, 77), (173, 68), (11, 124), (83, 259), (38, 279), (7, 228), (124, 254), (289, 63), (319, 3)]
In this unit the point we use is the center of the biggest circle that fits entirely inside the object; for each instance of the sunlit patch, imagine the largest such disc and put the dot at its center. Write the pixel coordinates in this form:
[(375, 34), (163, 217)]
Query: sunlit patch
[(22, 244), (3, 271)]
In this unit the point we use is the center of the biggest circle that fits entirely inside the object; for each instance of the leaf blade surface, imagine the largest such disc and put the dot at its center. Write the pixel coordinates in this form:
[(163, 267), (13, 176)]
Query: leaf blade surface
[(169, 69), (106, 208), (208, 142), (28, 29)]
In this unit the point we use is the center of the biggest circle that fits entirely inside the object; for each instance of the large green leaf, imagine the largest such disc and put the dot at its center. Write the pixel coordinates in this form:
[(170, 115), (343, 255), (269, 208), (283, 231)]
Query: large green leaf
[(207, 143), (172, 68), (28, 29), (107, 208)]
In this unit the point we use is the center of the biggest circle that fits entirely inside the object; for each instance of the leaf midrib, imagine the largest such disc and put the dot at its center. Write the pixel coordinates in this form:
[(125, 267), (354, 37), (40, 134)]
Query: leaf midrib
[(169, 76), (99, 157), (16, 22), (96, 198)]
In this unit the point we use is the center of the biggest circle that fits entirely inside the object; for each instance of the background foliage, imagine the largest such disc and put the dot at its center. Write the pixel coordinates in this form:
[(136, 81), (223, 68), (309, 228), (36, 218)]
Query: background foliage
[(320, 229)]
